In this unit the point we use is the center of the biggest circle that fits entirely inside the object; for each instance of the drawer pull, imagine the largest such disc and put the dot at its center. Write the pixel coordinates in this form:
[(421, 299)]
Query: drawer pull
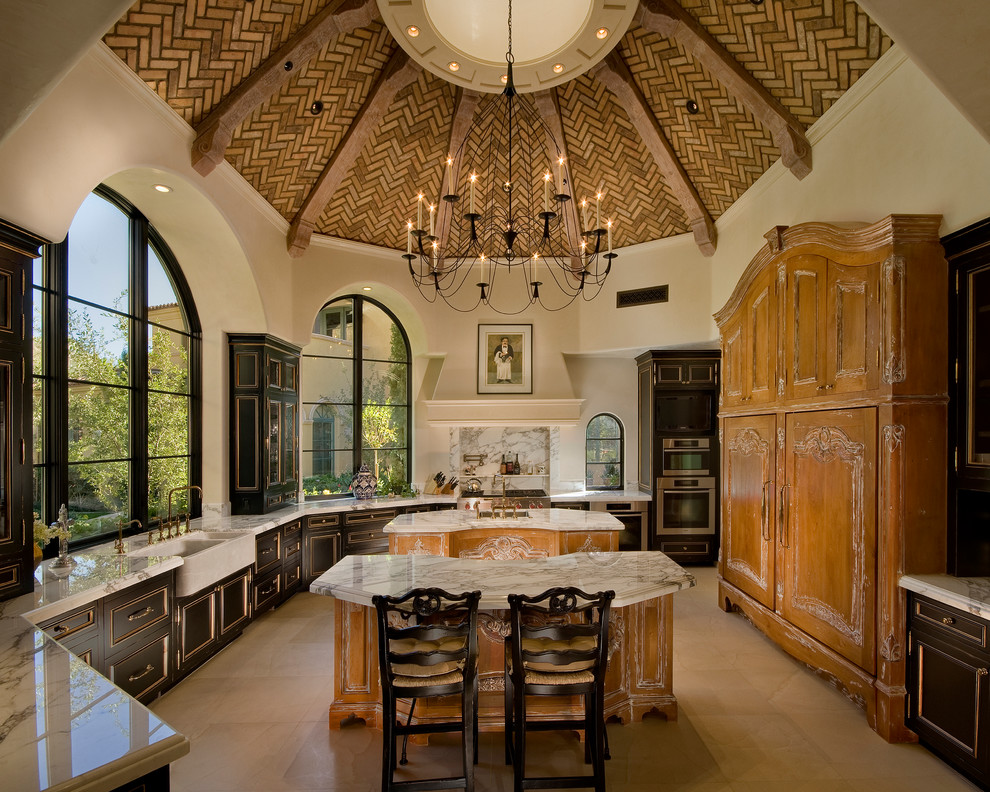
[(948, 620), (267, 550), (59, 629), (141, 614), (270, 590), (147, 670)]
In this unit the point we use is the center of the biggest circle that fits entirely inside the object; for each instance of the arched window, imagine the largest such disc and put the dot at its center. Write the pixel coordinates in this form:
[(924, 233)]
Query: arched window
[(116, 373), (604, 453), (356, 398)]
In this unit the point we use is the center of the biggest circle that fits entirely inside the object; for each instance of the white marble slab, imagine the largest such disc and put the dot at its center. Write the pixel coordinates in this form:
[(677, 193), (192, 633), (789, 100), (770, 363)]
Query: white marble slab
[(542, 519), (593, 496), (967, 594), (633, 576)]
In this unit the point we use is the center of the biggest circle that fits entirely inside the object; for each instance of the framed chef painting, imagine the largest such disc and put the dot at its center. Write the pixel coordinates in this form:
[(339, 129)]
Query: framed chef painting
[(505, 358)]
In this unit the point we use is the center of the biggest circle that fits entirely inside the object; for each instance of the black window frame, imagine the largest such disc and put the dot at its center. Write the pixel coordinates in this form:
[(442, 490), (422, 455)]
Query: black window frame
[(620, 461), (357, 393), (53, 295)]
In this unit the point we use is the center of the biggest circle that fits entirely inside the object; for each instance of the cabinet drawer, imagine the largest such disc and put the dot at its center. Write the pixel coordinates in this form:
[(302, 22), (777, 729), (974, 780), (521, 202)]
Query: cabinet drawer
[(144, 670), (378, 515), (942, 619), (291, 531), (268, 548), (674, 549), (126, 616), (292, 575), (291, 546), (78, 623), (323, 521), (267, 591), (366, 542)]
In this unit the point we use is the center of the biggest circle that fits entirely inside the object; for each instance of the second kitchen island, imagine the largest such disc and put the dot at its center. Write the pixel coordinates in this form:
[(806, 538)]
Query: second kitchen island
[(640, 673)]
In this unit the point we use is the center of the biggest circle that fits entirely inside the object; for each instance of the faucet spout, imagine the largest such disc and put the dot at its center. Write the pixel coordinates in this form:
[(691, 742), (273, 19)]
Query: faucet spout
[(118, 545), (181, 489)]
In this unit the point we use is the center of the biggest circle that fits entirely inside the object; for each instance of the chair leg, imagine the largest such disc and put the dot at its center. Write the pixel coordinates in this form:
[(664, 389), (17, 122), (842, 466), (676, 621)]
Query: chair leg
[(475, 724), (388, 742), (469, 736), (509, 714), (599, 732), (405, 737), (519, 728)]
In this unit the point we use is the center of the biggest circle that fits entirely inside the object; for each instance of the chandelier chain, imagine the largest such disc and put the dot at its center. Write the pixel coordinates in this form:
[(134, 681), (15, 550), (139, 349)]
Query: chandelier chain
[(508, 55)]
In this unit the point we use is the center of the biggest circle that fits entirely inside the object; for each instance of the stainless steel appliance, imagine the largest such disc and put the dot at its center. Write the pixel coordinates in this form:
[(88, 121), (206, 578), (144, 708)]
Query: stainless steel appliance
[(686, 505), (522, 498), (687, 456), (634, 517)]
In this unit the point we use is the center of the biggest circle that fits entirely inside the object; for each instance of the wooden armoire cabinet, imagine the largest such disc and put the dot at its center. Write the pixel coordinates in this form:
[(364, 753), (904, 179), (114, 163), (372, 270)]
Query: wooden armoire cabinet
[(833, 437), (264, 417), (17, 249)]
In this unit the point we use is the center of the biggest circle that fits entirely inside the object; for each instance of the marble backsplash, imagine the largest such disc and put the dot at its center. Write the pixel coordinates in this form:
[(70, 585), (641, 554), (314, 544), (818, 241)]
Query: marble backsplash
[(537, 447)]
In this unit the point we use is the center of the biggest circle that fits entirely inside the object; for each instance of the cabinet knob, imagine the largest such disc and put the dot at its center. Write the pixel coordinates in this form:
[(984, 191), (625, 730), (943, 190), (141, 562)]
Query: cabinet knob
[(982, 672), (948, 620)]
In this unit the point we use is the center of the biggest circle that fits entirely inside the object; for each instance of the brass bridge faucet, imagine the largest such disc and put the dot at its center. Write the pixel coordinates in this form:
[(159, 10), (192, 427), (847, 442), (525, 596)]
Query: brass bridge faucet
[(118, 544), (179, 489)]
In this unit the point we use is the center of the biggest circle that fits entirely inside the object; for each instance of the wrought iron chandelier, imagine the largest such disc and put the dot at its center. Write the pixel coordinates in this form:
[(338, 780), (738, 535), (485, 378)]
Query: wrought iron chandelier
[(510, 244)]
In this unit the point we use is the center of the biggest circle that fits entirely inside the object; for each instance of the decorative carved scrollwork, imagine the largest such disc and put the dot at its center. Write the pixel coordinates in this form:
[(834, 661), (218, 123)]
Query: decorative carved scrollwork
[(503, 548), (748, 442), (493, 628), (892, 316), (825, 443), (890, 649), (419, 548)]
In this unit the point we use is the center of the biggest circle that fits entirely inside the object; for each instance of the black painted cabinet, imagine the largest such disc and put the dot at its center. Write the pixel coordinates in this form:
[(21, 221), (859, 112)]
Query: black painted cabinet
[(264, 423), (949, 684), (17, 249), (209, 619), (322, 545)]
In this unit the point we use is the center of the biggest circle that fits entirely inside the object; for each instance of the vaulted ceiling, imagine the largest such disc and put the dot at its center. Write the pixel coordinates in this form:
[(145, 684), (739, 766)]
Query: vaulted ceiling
[(246, 76)]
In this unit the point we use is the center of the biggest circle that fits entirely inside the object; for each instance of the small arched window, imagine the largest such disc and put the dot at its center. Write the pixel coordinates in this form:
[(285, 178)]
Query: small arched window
[(604, 452)]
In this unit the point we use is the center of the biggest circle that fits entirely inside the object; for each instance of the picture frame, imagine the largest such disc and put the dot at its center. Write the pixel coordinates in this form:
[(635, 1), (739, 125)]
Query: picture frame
[(516, 361)]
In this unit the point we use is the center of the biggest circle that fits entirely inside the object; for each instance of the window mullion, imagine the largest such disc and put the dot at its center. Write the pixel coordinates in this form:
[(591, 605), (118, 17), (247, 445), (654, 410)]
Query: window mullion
[(358, 383), (138, 369)]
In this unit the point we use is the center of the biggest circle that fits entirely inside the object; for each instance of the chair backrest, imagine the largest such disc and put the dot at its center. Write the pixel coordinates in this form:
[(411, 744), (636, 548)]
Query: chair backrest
[(563, 629), (425, 636)]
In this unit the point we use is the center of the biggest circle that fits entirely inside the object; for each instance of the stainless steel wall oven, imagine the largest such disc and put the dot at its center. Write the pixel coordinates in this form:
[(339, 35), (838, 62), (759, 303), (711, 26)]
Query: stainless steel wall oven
[(686, 505)]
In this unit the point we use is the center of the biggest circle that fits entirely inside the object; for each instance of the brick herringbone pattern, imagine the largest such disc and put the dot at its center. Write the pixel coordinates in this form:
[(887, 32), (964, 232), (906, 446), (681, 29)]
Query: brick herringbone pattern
[(193, 52), (281, 148), (405, 154), (723, 148), (605, 150), (805, 52)]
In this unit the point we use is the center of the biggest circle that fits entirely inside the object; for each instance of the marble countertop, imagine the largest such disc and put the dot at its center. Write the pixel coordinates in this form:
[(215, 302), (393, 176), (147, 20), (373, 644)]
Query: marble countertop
[(968, 594), (538, 519), (633, 576), (592, 496)]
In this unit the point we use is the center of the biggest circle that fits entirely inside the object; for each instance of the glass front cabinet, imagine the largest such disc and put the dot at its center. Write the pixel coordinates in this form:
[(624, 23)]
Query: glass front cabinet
[(264, 432)]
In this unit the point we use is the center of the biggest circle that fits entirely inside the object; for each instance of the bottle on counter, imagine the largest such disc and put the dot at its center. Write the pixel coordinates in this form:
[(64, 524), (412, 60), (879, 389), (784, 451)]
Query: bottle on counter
[(501, 467), (515, 466), (508, 465)]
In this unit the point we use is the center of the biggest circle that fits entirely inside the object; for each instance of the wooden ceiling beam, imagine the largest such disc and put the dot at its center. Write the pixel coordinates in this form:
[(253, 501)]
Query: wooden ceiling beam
[(213, 133), (669, 19), (399, 72), (548, 106), (464, 110), (614, 74)]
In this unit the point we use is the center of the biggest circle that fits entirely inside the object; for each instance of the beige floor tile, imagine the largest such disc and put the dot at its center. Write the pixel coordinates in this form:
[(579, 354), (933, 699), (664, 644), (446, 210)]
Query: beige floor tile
[(752, 719)]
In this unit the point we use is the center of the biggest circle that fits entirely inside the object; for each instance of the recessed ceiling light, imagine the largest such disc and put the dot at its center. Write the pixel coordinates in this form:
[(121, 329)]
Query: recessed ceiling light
[(162, 188), (558, 68), (412, 31), (453, 65), (367, 288), (692, 107), (316, 108), (601, 33)]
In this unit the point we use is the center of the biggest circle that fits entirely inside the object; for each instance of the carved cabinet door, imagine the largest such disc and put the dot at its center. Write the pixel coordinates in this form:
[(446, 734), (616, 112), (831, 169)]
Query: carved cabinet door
[(749, 347), (852, 361), (827, 530), (748, 492), (804, 318)]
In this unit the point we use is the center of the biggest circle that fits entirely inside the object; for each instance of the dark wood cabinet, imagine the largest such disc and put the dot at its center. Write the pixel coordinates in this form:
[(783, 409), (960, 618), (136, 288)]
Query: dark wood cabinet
[(17, 249), (949, 684), (278, 565), (209, 619), (81, 632), (264, 431), (137, 627), (968, 253), (364, 531), (322, 545)]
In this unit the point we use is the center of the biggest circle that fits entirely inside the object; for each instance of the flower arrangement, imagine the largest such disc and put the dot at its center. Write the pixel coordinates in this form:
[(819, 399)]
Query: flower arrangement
[(43, 533)]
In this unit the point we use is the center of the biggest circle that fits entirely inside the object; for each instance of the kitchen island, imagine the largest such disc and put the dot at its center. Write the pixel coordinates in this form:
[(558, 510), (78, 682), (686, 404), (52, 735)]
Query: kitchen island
[(640, 673)]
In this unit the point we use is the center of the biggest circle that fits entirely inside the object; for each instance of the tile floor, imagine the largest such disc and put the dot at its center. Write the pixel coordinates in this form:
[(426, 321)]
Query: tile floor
[(751, 718)]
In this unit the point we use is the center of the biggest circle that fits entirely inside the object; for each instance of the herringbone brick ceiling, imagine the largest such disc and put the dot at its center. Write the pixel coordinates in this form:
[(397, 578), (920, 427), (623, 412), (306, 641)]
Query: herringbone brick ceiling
[(196, 53)]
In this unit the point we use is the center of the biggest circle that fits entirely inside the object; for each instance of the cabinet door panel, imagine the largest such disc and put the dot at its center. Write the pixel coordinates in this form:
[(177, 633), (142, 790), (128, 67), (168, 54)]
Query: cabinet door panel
[(853, 362), (761, 358), (733, 364), (748, 474), (828, 535), (805, 336)]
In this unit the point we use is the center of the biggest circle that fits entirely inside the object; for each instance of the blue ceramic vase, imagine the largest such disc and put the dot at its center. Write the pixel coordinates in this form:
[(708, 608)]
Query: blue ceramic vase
[(364, 483)]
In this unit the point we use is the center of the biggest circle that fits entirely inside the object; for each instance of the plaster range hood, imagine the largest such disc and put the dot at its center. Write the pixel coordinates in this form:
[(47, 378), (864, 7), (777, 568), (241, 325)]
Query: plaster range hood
[(503, 412)]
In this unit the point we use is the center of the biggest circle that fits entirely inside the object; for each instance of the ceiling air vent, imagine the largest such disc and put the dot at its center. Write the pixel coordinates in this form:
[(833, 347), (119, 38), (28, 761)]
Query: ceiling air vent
[(647, 296)]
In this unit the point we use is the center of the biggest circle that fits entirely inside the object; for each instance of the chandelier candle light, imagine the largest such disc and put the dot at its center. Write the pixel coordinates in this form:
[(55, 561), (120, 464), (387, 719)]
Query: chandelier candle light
[(510, 233)]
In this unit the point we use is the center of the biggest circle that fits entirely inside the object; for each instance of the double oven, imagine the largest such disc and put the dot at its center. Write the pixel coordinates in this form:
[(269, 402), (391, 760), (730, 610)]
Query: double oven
[(686, 498)]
